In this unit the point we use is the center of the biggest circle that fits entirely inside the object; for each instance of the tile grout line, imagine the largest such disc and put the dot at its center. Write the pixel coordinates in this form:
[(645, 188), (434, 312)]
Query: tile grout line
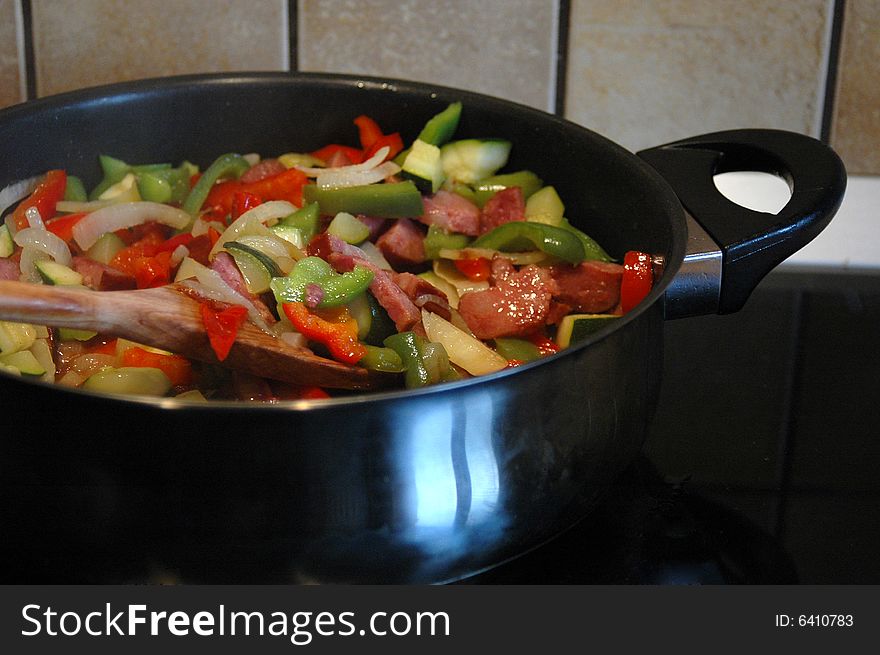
[(563, 20), (293, 36), (830, 91), (27, 29)]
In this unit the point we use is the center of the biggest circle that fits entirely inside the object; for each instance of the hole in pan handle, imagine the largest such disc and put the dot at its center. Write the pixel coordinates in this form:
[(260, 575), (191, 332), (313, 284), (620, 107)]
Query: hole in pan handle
[(752, 243)]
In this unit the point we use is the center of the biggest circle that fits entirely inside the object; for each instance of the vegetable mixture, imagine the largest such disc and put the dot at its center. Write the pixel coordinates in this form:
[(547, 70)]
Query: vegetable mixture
[(421, 260)]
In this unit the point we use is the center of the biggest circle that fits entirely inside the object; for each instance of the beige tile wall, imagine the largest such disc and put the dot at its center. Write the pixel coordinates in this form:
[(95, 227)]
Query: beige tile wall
[(645, 73), (642, 72), (80, 43), (500, 47), (856, 127), (10, 76)]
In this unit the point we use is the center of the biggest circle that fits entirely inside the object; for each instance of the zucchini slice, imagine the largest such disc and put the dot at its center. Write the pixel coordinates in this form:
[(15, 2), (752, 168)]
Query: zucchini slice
[(577, 327)]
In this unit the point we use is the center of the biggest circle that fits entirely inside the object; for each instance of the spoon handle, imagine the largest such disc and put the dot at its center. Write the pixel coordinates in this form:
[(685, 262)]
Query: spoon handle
[(168, 319)]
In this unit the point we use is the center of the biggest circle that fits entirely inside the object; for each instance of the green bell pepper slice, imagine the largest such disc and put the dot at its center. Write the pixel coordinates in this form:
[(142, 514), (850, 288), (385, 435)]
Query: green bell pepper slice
[(338, 288), (518, 236), (394, 200), (426, 362), (517, 349), (307, 220), (488, 187), (438, 239), (228, 165), (439, 129), (382, 359)]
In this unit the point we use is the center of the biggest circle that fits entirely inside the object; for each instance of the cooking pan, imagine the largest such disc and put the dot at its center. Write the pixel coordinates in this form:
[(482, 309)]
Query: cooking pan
[(419, 486)]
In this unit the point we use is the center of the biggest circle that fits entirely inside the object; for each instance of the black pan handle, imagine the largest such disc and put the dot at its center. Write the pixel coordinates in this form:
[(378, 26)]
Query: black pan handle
[(752, 243)]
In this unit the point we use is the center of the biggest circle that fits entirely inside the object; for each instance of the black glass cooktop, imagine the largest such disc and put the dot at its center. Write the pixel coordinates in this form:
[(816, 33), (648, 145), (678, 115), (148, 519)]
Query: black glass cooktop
[(762, 465)]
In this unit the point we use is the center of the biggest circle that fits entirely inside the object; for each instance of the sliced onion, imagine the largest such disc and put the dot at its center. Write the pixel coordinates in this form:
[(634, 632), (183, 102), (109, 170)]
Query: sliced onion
[(342, 177), (90, 363), (374, 255), (252, 222), (372, 162), (294, 339), (463, 349), (18, 190), (179, 254), (123, 215), (71, 379), (32, 214), (37, 244), (201, 226)]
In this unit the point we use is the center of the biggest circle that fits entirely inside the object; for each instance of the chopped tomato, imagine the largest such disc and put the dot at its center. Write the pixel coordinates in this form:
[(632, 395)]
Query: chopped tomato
[(335, 328), (62, 226), (638, 278), (477, 268), (177, 368), (222, 327), (44, 198)]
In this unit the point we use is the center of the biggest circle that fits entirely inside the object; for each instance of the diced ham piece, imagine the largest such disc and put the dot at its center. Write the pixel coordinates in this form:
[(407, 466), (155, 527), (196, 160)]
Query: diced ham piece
[(403, 244), (452, 213), (102, 277), (262, 170), (343, 256), (515, 305), (9, 269), (424, 294), (376, 224), (590, 287), (505, 206), (225, 265)]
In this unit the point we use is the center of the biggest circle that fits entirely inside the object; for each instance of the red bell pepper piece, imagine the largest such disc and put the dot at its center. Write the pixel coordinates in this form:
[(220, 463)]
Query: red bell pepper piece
[(153, 271), (393, 141), (242, 201), (477, 268), (638, 278), (170, 245), (44, 197), (368, 131), (283, 186), (62, 226), (335, 328), (177, 368), (354, 155), (372, 139), (222, 327), (146, 260)]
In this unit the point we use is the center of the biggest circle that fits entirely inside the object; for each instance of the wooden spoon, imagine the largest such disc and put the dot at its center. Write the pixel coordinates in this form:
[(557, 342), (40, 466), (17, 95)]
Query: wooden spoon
[(169, 319)]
